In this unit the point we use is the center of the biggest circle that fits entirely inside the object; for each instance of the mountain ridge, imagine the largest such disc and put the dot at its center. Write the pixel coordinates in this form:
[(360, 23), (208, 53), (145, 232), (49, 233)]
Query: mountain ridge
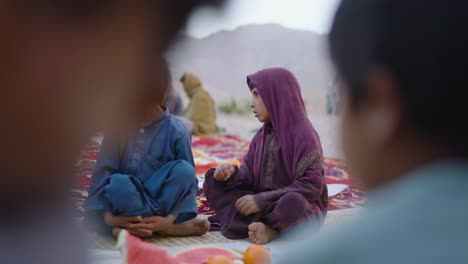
[(223, 60)]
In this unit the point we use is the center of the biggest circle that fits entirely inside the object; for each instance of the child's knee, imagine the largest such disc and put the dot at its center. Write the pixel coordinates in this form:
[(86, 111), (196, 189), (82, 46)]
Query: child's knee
[(291, 203), (121, 184), (293, 197), (288, 211), (123, 195), (184, 172)]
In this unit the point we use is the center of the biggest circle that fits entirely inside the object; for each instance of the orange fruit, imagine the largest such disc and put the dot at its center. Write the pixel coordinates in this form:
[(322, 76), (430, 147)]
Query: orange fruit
[(219, 260), (256, 254)]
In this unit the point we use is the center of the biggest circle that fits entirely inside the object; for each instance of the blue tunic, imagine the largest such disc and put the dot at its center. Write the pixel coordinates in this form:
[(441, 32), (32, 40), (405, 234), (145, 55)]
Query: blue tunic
[(149, 173)]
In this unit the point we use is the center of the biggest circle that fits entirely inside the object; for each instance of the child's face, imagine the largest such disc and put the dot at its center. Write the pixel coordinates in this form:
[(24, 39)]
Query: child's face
[(258, 107)]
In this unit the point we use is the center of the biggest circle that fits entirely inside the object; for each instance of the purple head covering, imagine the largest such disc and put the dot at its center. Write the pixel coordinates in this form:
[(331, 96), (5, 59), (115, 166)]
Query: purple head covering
[(298, 139)]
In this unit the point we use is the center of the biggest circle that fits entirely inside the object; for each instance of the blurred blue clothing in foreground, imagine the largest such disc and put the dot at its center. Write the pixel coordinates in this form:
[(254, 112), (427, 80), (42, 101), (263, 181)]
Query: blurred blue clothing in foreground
[(421, 218)]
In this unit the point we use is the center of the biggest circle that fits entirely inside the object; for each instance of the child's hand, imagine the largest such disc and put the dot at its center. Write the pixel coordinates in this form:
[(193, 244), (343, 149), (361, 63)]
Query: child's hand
[(121, 221), (155, 223), (224, 172), (128, 223), (246, 205)]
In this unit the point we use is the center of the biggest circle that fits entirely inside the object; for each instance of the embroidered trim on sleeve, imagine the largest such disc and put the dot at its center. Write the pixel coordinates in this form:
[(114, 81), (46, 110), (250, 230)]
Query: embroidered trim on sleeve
[(313, 161)]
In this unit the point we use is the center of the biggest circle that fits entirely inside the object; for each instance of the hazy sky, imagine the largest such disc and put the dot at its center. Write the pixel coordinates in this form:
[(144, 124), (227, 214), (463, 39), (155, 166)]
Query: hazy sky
[(315, 15)]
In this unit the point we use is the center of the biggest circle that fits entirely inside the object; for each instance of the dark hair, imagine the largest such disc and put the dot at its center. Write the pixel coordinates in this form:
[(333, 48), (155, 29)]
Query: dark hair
[(423, 44), (250, 84)]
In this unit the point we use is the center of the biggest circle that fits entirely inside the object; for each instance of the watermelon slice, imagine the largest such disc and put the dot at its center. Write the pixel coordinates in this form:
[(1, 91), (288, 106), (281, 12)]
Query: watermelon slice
[(200, 255), (136, 251)]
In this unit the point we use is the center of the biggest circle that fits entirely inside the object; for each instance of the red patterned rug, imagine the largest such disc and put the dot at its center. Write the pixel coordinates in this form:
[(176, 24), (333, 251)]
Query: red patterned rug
[(208, 153)]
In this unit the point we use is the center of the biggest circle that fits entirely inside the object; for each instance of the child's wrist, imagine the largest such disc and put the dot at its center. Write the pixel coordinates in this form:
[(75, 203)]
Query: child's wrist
[(259, 200)]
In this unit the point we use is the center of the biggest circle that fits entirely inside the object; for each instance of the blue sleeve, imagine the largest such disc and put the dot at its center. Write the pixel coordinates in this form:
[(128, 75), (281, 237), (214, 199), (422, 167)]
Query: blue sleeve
[(183, 146)]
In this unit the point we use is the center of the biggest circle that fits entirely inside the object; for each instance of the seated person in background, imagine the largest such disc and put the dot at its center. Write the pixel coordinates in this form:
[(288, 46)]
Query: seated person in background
[(146, 182), (201, 109), (403, 65), (281, 181)]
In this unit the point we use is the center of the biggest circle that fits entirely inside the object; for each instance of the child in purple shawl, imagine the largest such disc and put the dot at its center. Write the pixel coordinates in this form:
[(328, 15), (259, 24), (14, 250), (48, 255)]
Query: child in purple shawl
[(281, 181)]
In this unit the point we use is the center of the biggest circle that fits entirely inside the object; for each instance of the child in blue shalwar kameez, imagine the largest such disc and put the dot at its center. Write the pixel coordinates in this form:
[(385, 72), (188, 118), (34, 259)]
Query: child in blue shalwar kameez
[(146, 182)]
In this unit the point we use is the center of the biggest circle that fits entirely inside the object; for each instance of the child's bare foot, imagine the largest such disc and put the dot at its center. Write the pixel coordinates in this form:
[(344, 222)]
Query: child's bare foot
[(194, 227), (116, 231), (261, 234)]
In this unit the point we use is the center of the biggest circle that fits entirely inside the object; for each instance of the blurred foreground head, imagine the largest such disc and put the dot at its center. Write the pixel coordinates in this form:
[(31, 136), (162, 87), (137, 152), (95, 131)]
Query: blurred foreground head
[(158, 85), (68, 69), (403, 64)]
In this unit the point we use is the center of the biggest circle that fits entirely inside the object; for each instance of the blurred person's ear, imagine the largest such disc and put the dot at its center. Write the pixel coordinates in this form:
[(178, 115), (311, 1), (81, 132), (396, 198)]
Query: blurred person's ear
[(384, 109), (372, 126)]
